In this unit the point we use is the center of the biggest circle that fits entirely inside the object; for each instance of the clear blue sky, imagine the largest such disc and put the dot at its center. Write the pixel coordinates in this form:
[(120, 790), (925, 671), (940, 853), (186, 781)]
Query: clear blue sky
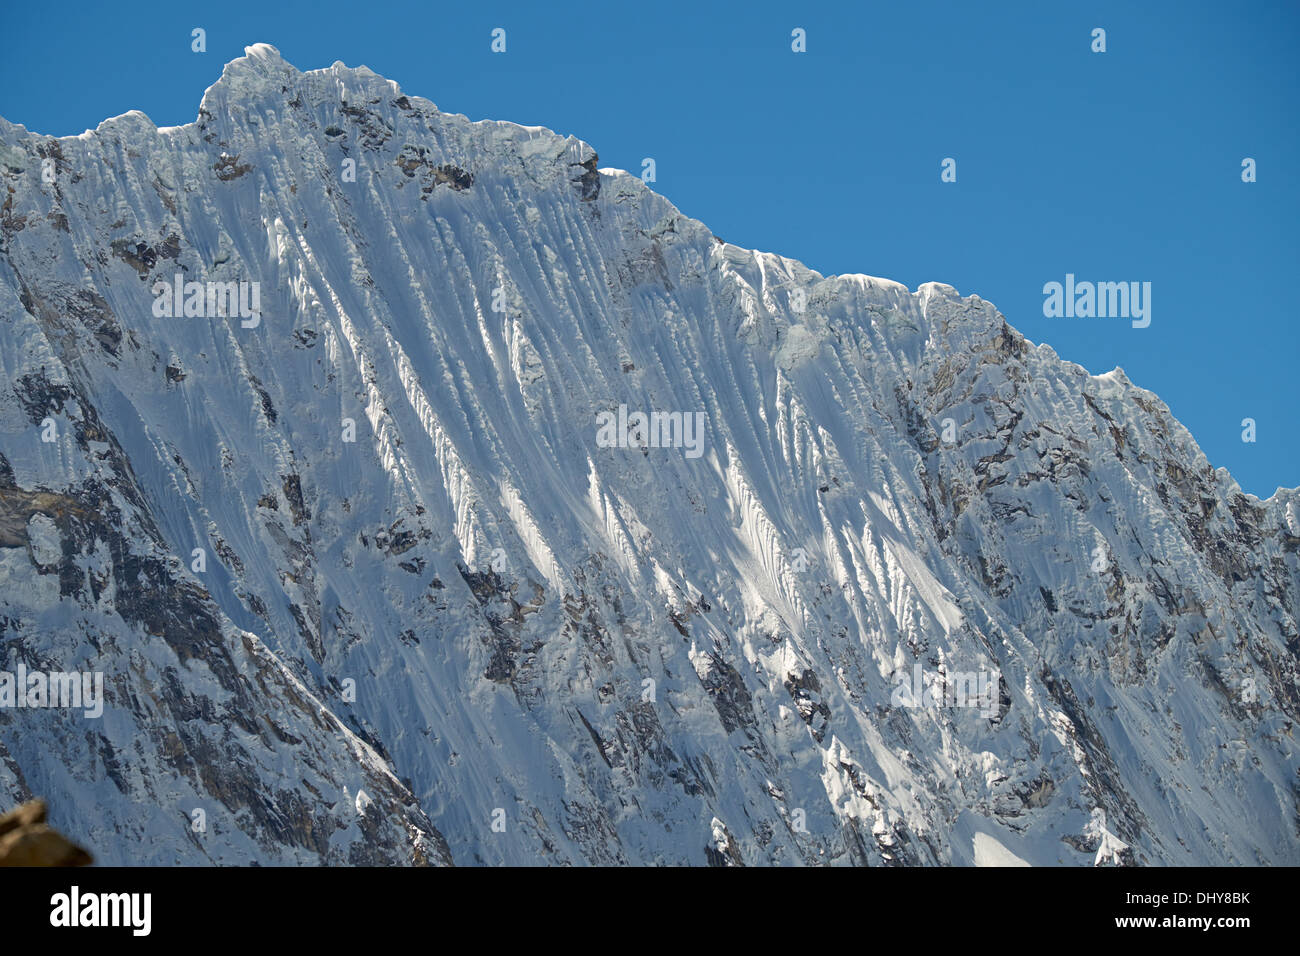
[(1117, 166)]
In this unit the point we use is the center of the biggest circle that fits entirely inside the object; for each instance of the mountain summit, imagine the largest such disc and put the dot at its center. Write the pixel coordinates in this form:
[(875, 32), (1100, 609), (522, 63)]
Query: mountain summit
[(421, 492)]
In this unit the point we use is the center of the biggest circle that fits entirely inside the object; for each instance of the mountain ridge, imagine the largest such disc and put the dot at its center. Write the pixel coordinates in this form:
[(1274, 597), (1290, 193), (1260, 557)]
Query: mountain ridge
[(891, 480)]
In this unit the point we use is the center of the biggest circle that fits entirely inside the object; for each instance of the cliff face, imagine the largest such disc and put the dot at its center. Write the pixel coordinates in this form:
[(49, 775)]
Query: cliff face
[(321, 439)]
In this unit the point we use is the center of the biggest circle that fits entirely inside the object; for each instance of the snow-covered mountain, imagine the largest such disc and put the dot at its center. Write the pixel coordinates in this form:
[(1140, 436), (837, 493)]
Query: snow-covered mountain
[(380, 568)]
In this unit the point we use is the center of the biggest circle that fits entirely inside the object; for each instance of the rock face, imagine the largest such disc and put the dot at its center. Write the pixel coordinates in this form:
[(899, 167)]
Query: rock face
[(360, 571)]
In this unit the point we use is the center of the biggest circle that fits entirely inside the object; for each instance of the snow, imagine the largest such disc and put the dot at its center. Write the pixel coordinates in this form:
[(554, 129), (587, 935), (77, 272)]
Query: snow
[(800, 346), (43, 536), (666, 642), (362, 802), (989, 852)]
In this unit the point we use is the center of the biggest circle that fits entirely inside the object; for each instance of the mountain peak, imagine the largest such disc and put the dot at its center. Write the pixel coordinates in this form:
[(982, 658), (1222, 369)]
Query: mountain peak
[(366, 449), (261, 69), (261, 61)]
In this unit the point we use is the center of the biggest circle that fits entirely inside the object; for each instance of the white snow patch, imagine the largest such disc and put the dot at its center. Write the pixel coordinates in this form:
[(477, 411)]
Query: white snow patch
[(363, 802), (799, 346), (43, 535), (990, 852)]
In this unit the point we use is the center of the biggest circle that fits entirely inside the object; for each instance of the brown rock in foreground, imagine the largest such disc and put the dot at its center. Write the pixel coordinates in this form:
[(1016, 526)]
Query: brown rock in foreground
[(26, 840)]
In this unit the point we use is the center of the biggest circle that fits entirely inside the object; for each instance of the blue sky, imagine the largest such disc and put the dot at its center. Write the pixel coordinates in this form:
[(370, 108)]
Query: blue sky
[(1115, 166)]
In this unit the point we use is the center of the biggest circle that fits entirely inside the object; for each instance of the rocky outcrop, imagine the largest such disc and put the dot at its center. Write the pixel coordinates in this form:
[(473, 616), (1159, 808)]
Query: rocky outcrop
[(27, 840)]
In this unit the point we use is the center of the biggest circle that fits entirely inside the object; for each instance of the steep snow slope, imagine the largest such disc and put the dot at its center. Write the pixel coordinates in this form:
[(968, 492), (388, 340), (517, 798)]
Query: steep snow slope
[(547, 648)]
